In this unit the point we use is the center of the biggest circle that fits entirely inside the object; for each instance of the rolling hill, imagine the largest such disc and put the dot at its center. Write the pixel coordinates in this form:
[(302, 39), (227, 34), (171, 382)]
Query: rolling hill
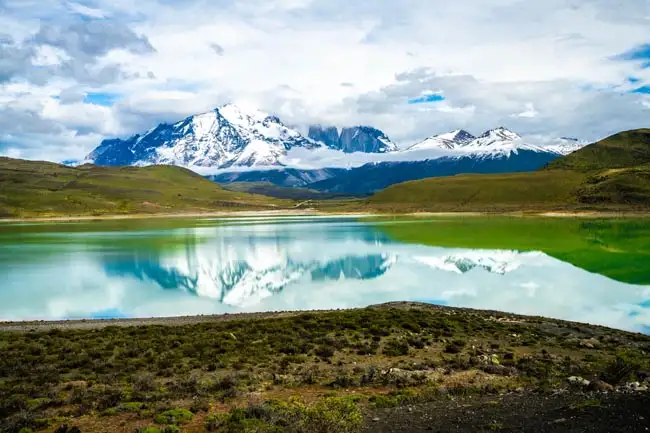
[(612, 174), (622, 150), (35, 188)]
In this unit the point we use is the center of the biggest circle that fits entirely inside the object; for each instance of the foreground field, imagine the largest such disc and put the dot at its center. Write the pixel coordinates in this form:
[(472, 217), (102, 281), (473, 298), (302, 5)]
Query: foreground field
[(35, 188), (335, 371)]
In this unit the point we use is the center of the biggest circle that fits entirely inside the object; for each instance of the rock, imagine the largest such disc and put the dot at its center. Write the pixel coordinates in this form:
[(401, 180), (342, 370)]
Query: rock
[(559, 420), (500, 370), (590, 343), (375, 419), (643, 376), (599, 385), (579, 381)]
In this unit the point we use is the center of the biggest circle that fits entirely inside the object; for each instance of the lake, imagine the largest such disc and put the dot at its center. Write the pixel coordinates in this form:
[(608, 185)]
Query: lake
[(594, 271)]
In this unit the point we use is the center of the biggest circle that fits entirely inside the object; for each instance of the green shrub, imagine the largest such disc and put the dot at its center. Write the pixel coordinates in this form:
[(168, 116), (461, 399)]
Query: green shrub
[(150, 429), (174, 416), (331, 415), (619, 370), (324, 352), (215, 421), (396, 347)]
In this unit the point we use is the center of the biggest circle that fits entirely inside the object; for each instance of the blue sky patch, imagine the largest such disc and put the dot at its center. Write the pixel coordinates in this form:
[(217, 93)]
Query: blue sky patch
[(633, 80), (645, 90), (434, 97), (109, 313), (432, 301), (642, 52), (100, 98)]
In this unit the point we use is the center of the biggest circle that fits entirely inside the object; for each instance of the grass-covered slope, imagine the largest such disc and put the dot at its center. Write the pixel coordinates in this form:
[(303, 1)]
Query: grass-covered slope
[(612, 174), (318, 372), (625, 149), (35, 188), (500, 192)]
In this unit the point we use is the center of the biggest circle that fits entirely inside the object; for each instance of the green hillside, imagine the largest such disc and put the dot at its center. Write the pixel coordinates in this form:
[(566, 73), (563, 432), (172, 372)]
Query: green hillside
[(612, 174), (35, 188), (272, 190), (625, 149)]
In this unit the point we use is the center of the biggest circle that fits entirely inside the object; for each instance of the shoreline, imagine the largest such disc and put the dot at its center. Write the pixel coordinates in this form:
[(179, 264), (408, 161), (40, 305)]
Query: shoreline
[(315, 212), (175, 321)]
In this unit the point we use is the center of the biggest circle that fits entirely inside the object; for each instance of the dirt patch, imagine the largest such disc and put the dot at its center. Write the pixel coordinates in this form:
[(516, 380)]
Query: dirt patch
[(526, 412)]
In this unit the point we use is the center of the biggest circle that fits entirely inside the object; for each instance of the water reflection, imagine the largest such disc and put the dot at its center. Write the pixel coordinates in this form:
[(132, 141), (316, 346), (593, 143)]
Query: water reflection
[(296, 265)]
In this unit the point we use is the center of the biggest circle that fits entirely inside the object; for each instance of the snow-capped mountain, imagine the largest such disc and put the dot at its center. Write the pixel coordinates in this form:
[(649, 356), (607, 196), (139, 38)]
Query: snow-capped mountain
[(224, 137), (498, 142), (497, 261), (448, 141), (566, 145), (353, 139), (243, 275)]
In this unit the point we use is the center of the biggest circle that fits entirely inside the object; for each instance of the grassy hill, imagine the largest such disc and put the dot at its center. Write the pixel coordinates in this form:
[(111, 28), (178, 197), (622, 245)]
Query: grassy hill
[(272, 190), (35, 188), (625, 149), (612, 174)]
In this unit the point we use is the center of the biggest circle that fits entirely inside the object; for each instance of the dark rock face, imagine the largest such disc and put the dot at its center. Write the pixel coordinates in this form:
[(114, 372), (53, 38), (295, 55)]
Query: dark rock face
[(354, 139), (364, 139), (328, 135)]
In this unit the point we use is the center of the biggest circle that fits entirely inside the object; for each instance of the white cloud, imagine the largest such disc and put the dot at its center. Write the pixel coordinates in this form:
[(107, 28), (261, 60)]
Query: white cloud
[(290, 57), (528, 112), (85, 10)]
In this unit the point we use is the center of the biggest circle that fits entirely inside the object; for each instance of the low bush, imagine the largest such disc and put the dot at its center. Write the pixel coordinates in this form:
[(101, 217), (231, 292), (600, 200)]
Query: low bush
[(174, 416)]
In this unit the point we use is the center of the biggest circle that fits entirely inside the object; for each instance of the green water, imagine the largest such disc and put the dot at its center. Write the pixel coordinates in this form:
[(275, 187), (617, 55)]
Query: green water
[(595, 271), (616, 248)]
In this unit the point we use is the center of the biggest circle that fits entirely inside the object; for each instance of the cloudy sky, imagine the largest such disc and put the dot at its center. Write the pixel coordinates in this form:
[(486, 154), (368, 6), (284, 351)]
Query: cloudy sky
[(74, 73)]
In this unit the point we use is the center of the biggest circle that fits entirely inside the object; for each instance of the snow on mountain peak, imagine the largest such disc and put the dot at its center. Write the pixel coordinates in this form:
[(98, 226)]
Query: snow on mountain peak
[(447, 141), (458, 136), (566, 145), (495, 136), (230, 135)]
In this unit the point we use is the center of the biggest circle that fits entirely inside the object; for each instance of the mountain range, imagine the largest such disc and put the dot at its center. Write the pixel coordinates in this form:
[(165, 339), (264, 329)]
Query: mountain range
[(252, 146)]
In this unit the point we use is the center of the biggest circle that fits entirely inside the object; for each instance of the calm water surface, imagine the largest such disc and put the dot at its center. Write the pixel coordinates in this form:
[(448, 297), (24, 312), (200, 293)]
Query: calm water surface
[(588, 271)]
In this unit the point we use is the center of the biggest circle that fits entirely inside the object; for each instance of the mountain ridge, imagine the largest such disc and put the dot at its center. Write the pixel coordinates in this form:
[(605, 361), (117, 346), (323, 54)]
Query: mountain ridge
[(361, 138), (230, 136)]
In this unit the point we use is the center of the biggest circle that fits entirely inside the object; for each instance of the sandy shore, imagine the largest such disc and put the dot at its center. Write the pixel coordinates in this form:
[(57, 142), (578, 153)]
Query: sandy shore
[(316, 212), (219, 214), (46, 325)]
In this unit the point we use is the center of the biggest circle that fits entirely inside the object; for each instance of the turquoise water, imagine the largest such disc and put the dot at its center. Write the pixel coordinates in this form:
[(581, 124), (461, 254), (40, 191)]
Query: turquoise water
[(205, 266)]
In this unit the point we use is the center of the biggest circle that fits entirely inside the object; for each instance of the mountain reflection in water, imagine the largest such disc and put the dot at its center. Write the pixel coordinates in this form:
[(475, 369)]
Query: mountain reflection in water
[(319, 264)]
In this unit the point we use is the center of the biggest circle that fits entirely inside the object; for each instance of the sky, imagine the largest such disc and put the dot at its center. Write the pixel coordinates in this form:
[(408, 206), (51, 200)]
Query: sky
[(75, 73)]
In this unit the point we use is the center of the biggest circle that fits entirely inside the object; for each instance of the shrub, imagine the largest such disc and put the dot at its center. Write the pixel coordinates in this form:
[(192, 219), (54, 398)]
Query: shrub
[(65, 429), (145, 382), (150, 429), (324, 351), (395, 347), (173, 417), (215, 421), (331, 415), (618, 370)]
